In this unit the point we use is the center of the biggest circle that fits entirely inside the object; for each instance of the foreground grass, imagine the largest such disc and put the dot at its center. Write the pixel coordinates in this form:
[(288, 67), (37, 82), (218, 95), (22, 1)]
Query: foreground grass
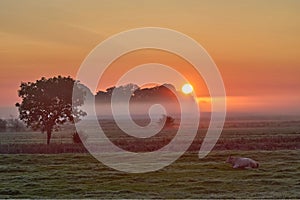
[(81, 176)]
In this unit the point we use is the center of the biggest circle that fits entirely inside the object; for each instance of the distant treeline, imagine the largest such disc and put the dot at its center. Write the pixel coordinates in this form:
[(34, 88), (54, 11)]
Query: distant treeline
[(11, 124), (165, 92), (141, 99)]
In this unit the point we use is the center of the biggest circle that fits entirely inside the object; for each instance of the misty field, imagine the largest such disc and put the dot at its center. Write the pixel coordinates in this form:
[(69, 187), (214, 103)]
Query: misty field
[(31, 169)]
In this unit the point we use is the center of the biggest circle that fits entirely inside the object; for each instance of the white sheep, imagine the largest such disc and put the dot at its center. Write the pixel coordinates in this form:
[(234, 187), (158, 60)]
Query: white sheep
[(242, 163)]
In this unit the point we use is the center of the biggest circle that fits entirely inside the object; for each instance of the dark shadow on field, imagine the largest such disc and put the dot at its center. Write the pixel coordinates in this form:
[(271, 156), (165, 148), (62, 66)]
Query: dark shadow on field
[(134, 144), (129, 143), (245, 135)]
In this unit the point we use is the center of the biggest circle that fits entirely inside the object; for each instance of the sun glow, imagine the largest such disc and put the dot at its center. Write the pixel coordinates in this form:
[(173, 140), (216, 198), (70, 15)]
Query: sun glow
[(187, 88)]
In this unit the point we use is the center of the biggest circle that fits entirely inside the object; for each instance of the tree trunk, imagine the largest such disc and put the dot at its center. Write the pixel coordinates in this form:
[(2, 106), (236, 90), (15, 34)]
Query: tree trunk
[(49, 131)]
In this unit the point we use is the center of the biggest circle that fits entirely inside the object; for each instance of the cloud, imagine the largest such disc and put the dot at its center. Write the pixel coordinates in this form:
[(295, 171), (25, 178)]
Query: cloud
[(45, 23)]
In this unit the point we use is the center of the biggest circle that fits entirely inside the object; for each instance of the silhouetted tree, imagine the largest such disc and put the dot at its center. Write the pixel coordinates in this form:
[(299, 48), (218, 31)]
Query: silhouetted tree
[(3, 125), (47, 103), (163, 92)]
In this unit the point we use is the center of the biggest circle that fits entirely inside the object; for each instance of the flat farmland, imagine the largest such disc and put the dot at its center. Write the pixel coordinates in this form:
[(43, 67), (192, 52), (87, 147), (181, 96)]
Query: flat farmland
[(81, 176), (31, 169)]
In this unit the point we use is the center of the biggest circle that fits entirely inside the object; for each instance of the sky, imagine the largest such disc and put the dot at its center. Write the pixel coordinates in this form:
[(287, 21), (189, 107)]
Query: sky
[(254, 43)]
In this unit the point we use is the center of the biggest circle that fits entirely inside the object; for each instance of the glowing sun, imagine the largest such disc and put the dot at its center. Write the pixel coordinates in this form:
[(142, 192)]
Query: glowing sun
[(187, 88)]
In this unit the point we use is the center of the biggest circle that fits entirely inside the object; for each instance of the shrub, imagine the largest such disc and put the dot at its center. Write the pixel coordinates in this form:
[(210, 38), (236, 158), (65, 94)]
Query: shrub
[(167, 120), (77, 139), (3, 125)]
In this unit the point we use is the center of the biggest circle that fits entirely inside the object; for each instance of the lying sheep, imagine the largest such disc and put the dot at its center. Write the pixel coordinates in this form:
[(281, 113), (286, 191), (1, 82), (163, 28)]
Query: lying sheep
[(242, 163)]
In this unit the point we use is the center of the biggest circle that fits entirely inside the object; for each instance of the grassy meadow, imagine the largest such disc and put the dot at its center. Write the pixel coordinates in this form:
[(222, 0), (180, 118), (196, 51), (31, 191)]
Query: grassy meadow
[(31, 169), (81, 176)]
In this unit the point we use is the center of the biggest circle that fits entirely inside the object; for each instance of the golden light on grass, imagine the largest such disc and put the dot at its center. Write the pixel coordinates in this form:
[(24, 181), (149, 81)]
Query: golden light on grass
[(187, 88)]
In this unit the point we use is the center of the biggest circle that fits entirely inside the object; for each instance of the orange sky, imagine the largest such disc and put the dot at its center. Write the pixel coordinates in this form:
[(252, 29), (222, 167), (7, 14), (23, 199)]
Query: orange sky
[(255, 43)]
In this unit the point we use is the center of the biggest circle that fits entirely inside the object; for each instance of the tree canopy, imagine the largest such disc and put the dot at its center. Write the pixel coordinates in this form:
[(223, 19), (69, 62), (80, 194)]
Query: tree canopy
[(48, 103), (163, 92)]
